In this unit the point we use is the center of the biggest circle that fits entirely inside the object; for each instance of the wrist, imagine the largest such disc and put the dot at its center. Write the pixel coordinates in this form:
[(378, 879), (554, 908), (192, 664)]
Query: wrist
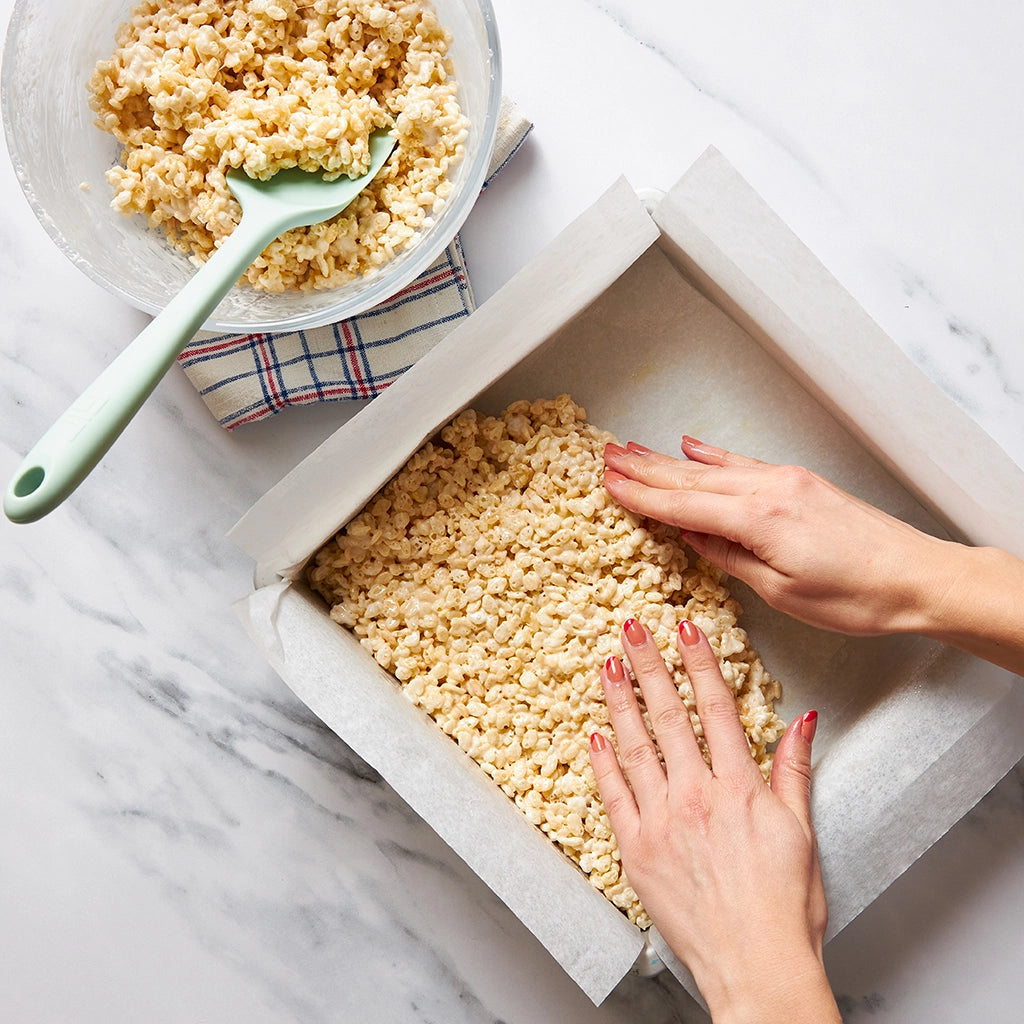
[(791, 990), (978, 605), (932, 587)]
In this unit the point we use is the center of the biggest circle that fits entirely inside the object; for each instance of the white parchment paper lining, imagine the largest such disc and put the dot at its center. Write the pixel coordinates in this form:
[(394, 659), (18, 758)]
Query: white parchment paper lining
[(705, 316)]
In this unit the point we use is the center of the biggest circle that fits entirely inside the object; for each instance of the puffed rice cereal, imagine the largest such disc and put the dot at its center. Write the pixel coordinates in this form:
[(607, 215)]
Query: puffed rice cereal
[(492, 576), (197, 87)]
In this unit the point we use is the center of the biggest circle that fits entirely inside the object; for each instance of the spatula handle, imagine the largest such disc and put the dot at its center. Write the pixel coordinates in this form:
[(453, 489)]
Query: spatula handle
[(66, 454)]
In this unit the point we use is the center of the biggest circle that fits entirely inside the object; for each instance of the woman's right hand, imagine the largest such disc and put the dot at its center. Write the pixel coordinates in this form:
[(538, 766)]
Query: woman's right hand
[(822, 556), (808, 548)]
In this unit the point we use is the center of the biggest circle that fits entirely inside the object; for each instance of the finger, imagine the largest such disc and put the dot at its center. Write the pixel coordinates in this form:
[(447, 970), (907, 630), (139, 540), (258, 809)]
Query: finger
[(663, 471), (791, 767), (669, 716), (708, 454), (613, 789), (732, 558), (726, 515), (712, 547), (638, 755), (716, 706)]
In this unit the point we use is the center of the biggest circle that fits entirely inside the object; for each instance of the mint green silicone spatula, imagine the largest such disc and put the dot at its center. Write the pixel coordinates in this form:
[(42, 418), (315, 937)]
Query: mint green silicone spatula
[(66, 454)]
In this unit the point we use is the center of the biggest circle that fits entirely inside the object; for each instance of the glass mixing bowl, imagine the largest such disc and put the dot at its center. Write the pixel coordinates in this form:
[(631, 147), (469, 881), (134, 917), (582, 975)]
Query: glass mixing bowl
[(60, 158)]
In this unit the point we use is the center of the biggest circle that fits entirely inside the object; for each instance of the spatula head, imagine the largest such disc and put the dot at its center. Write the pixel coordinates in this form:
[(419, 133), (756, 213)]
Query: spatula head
[(303, 197)]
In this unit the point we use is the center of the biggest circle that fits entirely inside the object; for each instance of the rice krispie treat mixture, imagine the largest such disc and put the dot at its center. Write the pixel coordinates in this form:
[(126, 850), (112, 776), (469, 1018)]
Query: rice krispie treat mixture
[(492, 576), (196, 87)]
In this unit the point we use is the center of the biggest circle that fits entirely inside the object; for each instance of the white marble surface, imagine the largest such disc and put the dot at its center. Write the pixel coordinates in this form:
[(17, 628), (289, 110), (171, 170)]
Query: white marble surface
[(181, 841)]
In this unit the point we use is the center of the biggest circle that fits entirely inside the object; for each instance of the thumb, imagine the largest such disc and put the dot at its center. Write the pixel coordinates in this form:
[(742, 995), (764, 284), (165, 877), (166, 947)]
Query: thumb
[(729, 555), (791, 768)]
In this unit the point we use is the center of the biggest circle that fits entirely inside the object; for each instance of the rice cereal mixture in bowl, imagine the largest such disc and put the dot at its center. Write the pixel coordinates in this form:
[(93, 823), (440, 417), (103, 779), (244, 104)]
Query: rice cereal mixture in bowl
[(197, 87), (492, 577)]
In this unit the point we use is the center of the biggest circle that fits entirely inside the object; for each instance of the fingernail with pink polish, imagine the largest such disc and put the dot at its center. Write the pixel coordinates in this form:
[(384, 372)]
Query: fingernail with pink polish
[(809, 725), (689, 633), (694, 539), (614, 449), (614, 671), (597, 742), (638, 449), (634, 632)]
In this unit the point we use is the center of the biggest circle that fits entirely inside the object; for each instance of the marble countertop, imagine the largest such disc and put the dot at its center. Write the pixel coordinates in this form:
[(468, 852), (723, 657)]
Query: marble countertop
[(182, 841)]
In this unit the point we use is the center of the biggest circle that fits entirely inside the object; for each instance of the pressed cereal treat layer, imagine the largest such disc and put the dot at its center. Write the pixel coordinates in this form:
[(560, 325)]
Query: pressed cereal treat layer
[(197, 87), (492, 576)]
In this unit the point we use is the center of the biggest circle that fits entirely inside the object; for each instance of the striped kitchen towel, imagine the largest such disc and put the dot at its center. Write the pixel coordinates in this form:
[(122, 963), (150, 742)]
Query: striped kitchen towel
[(247, 378)]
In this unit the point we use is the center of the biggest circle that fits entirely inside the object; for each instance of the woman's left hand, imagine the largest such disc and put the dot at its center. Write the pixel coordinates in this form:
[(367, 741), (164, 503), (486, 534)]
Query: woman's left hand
[(725, 865)]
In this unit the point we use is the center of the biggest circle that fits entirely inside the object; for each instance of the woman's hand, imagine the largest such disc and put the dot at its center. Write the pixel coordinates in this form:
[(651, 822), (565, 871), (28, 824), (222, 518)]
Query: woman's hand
[(725, 865), (822, 556), (808, 548)]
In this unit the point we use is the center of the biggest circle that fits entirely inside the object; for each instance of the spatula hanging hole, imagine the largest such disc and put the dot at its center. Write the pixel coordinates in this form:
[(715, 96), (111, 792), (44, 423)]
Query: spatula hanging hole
[(29, 482)]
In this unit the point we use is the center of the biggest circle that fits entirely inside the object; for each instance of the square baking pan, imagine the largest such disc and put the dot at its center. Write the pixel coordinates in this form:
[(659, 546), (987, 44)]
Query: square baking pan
[(701, 313)]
